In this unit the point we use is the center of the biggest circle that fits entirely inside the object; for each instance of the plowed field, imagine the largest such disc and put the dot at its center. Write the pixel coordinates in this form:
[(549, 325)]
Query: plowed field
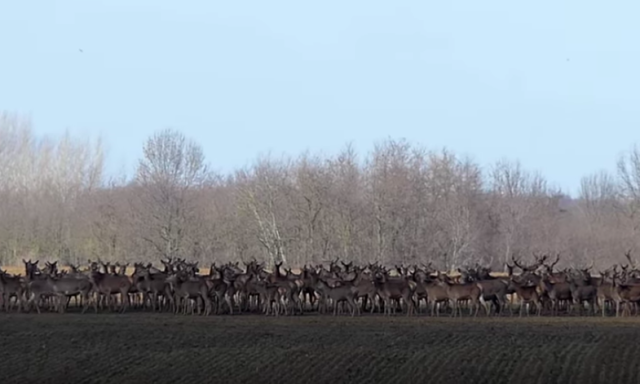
[(146, 348)]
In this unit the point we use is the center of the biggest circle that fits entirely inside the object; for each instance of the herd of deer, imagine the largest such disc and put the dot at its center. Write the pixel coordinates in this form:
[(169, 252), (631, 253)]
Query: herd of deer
[(180, 288)]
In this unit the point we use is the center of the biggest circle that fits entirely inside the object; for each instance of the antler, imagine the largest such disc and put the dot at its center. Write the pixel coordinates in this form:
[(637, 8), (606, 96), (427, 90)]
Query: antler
[(590, 266), (524, 268), (542, 260), (628, 256)]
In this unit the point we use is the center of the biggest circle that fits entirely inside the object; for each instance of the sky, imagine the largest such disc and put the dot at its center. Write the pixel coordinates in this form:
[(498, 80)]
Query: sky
[(552, 84)]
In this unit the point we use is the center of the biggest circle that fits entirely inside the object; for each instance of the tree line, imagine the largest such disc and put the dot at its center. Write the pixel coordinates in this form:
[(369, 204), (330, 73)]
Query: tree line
[(399, 203)]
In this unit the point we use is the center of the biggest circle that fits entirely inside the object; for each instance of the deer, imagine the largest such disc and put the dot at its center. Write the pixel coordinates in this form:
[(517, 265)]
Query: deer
[(527, 294), (186, 289), (269, 296), (244, 283), (436, 295), (627, 287), (309, 278), (107, 284), (152, 285), (493, 290), (556, 291), (346, 292), (456, 292), (66, 287), (629, 294), (289, 290), (10, 287), (221, 283), (393, 290), (38, 286), (607, 292), (582, 289)]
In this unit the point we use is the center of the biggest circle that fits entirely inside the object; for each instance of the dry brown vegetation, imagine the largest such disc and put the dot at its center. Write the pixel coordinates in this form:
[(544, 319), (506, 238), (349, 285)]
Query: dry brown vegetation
[(400, 203)]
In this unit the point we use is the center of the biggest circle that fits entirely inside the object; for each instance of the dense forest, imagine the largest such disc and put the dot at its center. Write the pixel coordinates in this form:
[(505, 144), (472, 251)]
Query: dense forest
[(399, 203)]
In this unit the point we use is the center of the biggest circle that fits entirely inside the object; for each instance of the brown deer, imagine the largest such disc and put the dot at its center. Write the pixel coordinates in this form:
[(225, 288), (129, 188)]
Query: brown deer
[(607, 292), (185, 289), (343, 293), (457, 292), (392, 290), (527, 294), (11, 287), (582, 289), (106, 285)]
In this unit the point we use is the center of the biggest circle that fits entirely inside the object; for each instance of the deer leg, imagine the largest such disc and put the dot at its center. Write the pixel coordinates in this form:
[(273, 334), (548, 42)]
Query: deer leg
[(511, 306), (37, 303), (229, 304), (10, 304), (485, 305), (196, 309), (94, 301), (221, 300), (206, 308), (63, 301), (85, 301), (153, 298), (126, 302), (522, 304)]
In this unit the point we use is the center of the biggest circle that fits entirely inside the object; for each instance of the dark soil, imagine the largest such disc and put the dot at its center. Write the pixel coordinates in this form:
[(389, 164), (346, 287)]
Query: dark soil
[(146, 348)]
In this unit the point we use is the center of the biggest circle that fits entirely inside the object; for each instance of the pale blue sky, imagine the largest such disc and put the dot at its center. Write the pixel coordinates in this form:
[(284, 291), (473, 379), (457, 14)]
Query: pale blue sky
[(553, 83)]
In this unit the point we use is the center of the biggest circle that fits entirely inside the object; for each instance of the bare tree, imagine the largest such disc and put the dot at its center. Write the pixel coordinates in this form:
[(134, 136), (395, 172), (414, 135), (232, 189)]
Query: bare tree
[(389, 191), (345, 231), (516, 194), (43, 179), (455, 188), (171, 170), (629, 175), (310, 199), (263, 191), (398, 203)]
